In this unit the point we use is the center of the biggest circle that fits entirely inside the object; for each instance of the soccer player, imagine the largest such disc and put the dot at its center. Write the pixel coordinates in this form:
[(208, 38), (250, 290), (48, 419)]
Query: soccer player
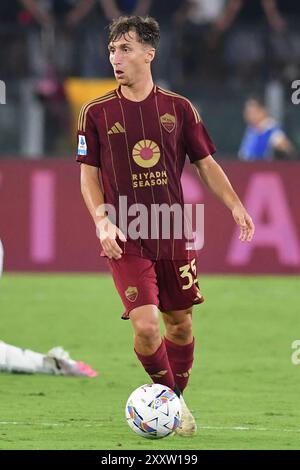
[(56, 362), (25, 361), (137, 137)]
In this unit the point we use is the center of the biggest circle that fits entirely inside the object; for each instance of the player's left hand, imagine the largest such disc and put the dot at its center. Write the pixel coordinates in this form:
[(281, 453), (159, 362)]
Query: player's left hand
[(244, 221)]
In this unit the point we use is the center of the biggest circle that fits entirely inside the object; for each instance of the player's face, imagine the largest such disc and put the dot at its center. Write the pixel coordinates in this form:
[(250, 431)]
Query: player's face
[(130, 58)]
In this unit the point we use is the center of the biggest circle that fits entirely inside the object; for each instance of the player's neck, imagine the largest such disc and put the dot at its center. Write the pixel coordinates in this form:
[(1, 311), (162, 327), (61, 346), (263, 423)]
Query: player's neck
[(139, 90)]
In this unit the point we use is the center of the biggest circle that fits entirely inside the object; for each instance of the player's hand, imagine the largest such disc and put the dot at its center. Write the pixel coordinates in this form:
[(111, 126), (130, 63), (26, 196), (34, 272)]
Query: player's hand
[(244, 221), (108, 232), (278, 24)]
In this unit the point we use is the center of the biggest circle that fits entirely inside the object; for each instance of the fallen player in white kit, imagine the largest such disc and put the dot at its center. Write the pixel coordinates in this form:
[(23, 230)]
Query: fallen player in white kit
[(56, 362), (24, 361)]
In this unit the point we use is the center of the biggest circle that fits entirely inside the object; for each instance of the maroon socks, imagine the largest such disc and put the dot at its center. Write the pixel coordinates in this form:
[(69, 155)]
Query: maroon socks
[(171, 364), (158, 367), (181, 360)]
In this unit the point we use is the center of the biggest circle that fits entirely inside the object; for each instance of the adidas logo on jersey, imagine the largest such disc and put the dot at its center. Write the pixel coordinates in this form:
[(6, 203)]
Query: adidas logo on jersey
[(117, 128)]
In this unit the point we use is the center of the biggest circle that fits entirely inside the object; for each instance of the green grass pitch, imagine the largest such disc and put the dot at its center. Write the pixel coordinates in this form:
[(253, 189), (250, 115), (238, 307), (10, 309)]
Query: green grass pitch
[(244, 389)]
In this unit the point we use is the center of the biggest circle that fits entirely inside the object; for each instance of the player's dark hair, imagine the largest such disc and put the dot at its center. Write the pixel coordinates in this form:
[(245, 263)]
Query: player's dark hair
[(147, 29), (259, 99)]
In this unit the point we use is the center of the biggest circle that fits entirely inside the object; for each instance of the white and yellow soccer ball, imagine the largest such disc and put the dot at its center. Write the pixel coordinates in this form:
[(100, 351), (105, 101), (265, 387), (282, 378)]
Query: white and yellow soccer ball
[(153, 411)]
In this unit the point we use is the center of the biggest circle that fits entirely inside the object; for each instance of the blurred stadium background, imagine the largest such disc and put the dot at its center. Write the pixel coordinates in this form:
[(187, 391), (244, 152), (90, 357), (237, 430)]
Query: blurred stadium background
[(53, 58)]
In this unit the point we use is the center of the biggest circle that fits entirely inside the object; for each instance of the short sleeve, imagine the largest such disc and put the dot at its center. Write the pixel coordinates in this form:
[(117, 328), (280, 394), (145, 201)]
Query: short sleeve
[(276, 137), (88, 145), (198, 143)]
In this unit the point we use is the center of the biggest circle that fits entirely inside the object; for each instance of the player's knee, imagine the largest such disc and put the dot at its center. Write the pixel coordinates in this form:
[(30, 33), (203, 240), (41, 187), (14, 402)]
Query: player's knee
[(148, 331), (181, 331)]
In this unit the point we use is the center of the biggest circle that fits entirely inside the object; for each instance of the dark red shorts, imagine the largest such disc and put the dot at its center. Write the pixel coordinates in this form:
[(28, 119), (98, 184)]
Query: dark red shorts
[(170, 285)]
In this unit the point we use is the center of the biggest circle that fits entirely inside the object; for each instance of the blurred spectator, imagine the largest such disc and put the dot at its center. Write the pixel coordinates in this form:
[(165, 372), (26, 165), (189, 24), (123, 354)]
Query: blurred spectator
[(264, 139), (65, 31), (60, 50), (18, 19), (285, 40), (251, 22), (202, 50), (115, 8), (167, 65), (35, 30)]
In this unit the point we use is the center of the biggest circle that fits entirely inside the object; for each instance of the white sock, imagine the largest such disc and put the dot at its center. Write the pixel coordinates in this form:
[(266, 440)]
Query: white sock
[(13, 359)]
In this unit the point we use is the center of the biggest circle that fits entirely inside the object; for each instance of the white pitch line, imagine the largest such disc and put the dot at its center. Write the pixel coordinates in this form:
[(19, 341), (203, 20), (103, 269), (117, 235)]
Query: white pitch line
[(209, 428), (245, 428), (16, 423)]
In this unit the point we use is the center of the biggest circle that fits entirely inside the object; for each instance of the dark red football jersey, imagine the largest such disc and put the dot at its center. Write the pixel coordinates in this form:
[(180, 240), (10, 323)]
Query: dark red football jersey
[(140, 148)]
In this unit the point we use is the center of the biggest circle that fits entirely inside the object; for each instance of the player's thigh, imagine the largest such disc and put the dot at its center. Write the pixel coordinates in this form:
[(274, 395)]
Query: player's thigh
[(135, 281), (178, 285)]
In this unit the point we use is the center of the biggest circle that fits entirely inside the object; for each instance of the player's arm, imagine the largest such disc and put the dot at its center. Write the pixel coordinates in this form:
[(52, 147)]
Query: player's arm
[(142, 8), (231, 11), (110, 9), (282, 146), (274, 17), (199, 148), (216, 180), (89, 151), (40, 14), (91, 191), (94, 200), (79, 11)]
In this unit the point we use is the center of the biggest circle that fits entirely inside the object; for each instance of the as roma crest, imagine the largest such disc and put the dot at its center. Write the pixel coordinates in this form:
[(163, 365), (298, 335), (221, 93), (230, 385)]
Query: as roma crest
[(131, 293), (168, 122)]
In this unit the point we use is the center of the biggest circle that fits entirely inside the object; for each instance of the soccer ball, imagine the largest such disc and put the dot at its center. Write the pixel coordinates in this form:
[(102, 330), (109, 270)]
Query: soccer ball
[(153, 411)]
